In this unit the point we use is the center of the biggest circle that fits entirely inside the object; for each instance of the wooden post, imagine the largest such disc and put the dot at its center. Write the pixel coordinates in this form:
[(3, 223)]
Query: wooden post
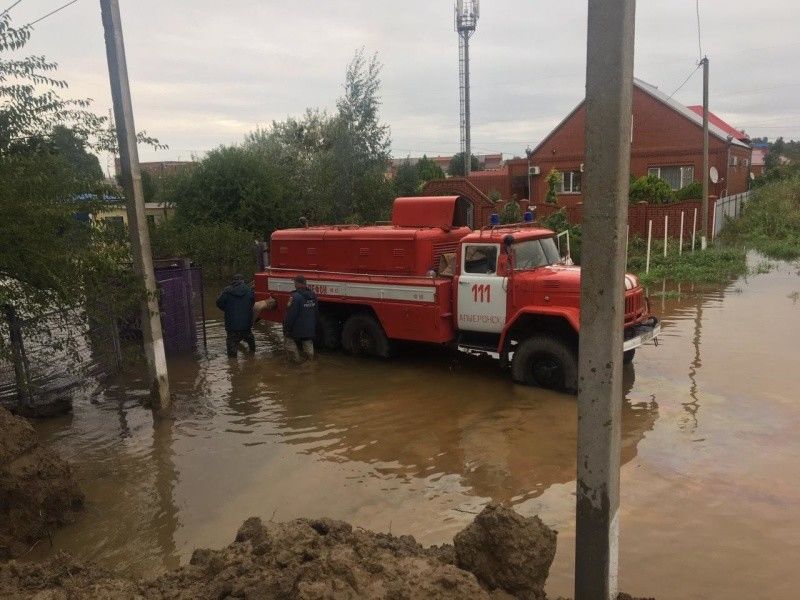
[(649, 239), (694, 228), (19, 358)]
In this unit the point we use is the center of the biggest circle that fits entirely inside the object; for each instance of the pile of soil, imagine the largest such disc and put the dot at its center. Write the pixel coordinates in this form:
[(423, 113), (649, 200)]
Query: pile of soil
[(37, 489), (320, 558)]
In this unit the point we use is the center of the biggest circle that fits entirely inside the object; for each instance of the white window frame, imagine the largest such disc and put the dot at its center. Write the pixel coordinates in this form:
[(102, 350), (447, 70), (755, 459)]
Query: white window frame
[(571, 174), (686, 173)]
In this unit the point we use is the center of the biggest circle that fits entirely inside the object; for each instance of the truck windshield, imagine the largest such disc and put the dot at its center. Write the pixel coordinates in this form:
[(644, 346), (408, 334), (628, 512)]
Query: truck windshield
[(535, 253)]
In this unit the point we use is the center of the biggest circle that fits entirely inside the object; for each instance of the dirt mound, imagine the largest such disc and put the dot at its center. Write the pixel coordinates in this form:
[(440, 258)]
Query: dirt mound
[(37, 490), (309, 559), (507, 551), (62, 578)]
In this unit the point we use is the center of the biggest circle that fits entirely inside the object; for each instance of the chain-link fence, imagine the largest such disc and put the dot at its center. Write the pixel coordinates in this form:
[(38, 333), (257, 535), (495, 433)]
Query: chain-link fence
[(43, 359)]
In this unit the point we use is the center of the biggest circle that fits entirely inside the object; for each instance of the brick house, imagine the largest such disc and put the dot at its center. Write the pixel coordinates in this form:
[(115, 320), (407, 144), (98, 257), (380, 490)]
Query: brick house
[(487, 162), (667, 141)]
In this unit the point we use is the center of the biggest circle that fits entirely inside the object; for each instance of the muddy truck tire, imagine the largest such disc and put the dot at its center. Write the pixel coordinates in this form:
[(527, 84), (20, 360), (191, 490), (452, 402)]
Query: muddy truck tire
[(363, 335), (546, 361)]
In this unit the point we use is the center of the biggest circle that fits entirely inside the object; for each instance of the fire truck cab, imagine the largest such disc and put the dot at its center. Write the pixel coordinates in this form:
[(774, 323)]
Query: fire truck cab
[(505, 291)]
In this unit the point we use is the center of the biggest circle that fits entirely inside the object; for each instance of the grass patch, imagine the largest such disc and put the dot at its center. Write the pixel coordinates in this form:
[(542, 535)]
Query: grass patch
[(770, 221), (715, 265)]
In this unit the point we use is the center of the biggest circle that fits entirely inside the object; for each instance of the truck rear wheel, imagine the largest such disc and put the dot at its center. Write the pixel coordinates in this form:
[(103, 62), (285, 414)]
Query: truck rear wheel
[(627, 356), (546, 362), (329, 332), (363, 334)]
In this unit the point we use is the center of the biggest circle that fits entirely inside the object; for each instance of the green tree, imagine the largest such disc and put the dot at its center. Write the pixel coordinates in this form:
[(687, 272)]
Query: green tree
[(49, 260), (553, 185), (32, 105), (456, 168), (231, 185), (776, 150), (361, 145), (333, 166), (406, 179), (429, 170), (69, 144)]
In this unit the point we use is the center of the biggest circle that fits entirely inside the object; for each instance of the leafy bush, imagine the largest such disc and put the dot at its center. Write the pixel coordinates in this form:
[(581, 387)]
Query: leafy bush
[(780, 173), (559, 222), (770, 221), (693, 191), (220, 248), (651, 189), (510, 213)]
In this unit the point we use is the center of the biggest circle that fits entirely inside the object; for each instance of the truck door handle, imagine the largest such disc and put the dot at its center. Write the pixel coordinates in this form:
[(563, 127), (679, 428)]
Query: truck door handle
[(463, 283)]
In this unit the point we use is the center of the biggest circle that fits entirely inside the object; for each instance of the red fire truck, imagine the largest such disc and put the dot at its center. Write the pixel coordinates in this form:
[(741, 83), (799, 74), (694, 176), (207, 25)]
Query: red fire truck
[(503, 290)]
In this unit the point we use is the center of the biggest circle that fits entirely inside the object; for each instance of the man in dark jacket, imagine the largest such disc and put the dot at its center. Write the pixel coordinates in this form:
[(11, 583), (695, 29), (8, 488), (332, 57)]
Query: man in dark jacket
[(237, 301), (300, 323)]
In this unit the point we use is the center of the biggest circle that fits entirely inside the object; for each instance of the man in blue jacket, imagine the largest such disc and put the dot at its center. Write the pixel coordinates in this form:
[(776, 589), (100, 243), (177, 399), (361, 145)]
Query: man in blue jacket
[(300, 323), (236, 301)]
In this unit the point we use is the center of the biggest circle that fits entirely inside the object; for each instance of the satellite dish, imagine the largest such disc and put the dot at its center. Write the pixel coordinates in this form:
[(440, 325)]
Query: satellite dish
[(713, 174)]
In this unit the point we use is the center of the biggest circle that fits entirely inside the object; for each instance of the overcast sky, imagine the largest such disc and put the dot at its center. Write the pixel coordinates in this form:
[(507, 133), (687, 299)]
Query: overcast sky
[(204, 73)]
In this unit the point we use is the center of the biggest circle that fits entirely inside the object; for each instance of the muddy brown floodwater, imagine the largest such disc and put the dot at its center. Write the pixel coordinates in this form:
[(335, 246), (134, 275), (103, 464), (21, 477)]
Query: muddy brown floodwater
[(710, 451)]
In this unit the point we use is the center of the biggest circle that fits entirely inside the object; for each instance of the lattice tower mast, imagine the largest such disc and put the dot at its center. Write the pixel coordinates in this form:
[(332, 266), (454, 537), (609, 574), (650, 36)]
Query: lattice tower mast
[(466, 21)]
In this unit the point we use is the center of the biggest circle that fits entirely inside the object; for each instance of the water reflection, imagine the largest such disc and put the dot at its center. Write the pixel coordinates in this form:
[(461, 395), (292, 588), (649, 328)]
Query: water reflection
[(505, 442)]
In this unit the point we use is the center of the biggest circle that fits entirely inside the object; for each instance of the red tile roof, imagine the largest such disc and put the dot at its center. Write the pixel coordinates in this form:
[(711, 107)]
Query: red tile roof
[(725, 126)]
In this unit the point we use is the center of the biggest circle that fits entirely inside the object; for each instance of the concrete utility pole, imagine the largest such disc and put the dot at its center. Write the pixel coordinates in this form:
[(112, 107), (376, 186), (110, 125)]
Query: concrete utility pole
[(132, 184), (704, 235), (609, 86)]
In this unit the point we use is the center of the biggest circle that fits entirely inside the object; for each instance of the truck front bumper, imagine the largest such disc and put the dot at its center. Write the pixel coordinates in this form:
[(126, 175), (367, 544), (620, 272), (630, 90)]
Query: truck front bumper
[(642, 333)]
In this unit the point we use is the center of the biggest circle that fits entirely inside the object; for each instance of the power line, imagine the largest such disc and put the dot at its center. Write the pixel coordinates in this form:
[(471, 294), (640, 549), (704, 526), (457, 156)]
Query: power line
[(699, 44), (52, 12), (685, 81), (10, 7)]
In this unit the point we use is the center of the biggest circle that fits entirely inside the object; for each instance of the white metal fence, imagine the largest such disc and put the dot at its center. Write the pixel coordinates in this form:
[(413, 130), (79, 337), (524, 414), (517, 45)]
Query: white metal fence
[(727, 208)]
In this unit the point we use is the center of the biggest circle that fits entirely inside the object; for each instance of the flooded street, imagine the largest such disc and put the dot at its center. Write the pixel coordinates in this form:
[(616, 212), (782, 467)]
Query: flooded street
[(710, 450)]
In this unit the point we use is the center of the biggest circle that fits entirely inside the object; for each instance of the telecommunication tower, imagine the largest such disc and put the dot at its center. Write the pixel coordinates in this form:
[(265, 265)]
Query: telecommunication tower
[(466, 20)]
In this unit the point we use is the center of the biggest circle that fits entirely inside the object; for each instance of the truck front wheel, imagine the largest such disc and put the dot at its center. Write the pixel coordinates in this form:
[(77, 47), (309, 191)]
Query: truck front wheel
[(363, 334), (547, 362)]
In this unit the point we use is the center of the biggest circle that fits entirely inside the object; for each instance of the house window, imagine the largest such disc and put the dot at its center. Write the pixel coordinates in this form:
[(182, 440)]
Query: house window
[(151, 220), (571, 182), (676, 176)]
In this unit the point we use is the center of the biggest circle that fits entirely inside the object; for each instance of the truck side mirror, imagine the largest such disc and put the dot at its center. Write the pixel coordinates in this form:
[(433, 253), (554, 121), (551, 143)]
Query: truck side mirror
[(508, 241)]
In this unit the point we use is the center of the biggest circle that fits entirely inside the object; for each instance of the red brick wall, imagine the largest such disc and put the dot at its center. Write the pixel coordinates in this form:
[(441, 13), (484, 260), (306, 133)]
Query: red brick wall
[(640, 214), (489, 181), (661, 137)]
